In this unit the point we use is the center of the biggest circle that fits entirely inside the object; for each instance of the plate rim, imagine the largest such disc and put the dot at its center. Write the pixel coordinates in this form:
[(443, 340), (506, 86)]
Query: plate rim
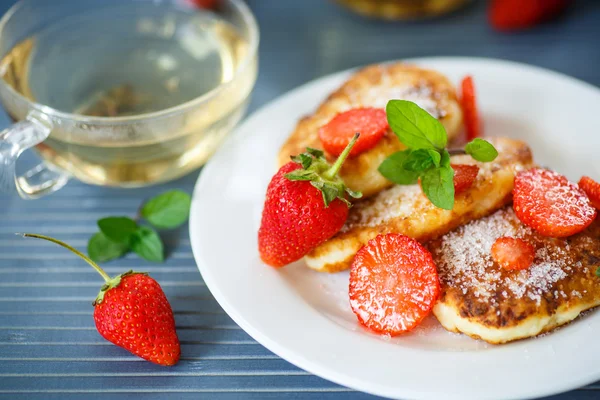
[(290, 355)]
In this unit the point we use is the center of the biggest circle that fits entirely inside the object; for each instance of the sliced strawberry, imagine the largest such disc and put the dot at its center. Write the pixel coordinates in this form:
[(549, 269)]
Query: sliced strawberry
[(469, 107), (393, 284), (464, 177), (592, 189), (512, 253), (547, 202), (371, 123)]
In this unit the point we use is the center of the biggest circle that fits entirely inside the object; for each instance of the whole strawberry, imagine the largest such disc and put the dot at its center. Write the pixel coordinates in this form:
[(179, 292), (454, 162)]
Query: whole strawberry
[(305, 205), (132, 312)]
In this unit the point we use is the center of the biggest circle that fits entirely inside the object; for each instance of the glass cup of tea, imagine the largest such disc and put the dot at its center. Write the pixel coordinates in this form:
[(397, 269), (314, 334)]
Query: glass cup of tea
[(121, 93)]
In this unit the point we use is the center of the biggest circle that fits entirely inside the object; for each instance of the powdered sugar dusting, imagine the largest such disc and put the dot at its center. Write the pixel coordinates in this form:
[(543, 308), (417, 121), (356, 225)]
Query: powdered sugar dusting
[(464, 261), (395, 202), (420, 93)]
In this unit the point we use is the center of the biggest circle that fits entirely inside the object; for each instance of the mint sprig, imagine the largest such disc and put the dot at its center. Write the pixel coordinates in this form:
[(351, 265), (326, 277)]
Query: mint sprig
[(426, 157), (120, 234)]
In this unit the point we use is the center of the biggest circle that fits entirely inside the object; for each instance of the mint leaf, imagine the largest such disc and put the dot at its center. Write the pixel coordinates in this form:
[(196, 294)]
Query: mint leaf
[(481, 150), (421, 160), (146, 243), (435, 156), (168, 210), (102, 249), (415, 127), (117, 229), (438, 184), (392, 168)]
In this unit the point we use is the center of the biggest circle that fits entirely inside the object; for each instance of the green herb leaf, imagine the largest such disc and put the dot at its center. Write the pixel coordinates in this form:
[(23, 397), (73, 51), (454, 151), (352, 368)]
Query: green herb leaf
[(438, 184), (117, 229), (168, 210), (598, 272), (415, 127), (303, 159), (392, 168), (146, 243), (102, 249), (421, 160), (481, 150)]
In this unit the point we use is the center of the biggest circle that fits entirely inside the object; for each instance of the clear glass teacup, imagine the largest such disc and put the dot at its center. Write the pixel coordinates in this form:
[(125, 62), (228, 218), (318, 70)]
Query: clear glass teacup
[(121, 93)]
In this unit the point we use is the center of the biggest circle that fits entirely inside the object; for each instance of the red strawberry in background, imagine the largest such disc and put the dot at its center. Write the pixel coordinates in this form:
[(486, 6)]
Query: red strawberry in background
[(305, 205), (132, 312), (209, 4), (520, 14)]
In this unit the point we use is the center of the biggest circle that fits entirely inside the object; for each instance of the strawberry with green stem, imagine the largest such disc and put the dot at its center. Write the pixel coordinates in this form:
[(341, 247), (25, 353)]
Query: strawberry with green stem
[(306, 204), (132, 312)]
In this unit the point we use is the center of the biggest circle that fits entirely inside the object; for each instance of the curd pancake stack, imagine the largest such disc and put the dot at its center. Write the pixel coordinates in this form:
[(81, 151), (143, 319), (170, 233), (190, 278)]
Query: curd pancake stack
[(486, 301), (374, 86)]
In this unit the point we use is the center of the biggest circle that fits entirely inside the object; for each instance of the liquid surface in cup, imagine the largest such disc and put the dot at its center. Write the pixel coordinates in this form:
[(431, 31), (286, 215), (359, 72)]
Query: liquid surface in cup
[(133, 59)]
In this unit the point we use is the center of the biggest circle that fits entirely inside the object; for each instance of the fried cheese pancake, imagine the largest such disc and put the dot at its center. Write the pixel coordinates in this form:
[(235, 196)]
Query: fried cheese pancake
[(406, 210), (485, 301), (374, 86)]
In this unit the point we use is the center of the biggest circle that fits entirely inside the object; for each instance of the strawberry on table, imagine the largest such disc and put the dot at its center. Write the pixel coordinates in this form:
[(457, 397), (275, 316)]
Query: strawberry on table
[(393, 284), (547, 202), (132, 312), (464, 176), (508, 15), (513, 253), (592, 189), (371, 123), (469, 106), (305, 205)]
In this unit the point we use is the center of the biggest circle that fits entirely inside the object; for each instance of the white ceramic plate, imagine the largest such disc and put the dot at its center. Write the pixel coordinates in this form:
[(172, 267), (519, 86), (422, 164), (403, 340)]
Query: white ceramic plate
[(304, 316)]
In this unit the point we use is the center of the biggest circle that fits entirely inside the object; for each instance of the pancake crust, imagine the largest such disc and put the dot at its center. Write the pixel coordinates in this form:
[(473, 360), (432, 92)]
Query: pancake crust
[(373, 86), (406, 210), (485, 301)]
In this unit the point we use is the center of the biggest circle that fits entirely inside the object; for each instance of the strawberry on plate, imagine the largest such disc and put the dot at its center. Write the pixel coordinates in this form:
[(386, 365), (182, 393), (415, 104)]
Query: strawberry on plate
[(464, 176), (133, 312), (305, 205), (592, 189), (393, 284), (513, 253), (547, 202), (371, 123), (468, 102)]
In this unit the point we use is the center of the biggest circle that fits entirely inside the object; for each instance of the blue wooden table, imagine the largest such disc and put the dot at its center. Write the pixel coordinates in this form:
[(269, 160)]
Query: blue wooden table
[(49, 348)]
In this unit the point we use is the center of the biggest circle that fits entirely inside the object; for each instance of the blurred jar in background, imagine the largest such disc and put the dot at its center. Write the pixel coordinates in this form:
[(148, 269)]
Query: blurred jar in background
[(403, 9)]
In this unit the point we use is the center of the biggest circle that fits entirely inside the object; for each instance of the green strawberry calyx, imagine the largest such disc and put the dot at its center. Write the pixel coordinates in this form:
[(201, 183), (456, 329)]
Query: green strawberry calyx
[(109, 283), (324, 176), (113, 283)]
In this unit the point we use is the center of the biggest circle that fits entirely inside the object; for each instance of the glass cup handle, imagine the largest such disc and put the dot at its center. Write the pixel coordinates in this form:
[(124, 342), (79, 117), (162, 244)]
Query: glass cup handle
[(38, 181)]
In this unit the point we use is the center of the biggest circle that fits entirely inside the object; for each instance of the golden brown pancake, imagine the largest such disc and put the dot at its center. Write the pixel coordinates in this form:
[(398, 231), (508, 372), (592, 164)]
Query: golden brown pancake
[(374, 86), (485, 301), (406, 210)]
